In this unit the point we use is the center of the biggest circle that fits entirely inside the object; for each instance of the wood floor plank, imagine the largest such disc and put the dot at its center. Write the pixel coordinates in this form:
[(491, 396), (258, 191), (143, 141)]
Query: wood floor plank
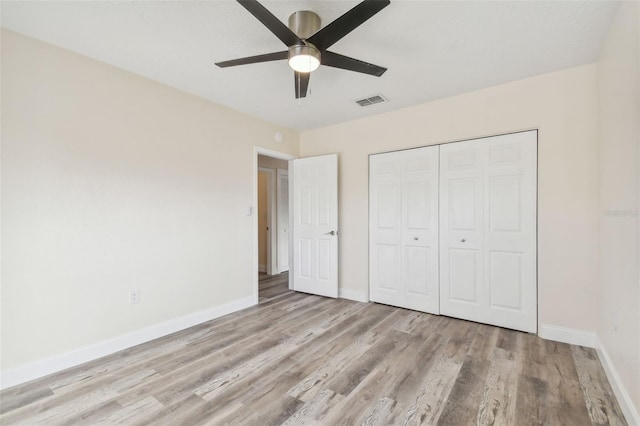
[(313, 383), (484, 342), (348, 378), (532, 401), (431, 398), (315, 409), (465, 399), (302, 359), (567, 405), (499, 398), (354, 408), (138, 411), (413, 376), (601, 405), (461, 335), (93, 416), (12, 401), (380, 412)]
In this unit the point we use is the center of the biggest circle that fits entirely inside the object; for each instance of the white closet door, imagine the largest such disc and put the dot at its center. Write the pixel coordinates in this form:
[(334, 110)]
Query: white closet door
[(488, 249), (403, 196)]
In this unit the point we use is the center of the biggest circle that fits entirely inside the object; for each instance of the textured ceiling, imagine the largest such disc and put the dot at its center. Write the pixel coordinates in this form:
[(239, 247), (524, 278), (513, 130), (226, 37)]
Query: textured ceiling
[(433, 49)]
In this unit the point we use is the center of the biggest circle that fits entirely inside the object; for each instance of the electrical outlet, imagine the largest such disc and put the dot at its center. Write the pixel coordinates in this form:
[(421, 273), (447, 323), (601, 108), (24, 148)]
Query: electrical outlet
[(134, 296)]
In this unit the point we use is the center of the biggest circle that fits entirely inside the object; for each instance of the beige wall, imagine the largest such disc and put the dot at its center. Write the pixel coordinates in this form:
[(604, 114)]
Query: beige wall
[(619, 151), (111, 181), (563, 106)]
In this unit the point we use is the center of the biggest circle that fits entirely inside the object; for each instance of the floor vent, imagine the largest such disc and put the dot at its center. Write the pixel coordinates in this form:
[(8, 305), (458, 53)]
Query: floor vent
[(375, 99)]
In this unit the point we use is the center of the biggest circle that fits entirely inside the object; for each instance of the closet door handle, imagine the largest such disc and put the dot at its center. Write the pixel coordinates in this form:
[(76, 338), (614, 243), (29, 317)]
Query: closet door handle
[(416, 238), (463, 240)]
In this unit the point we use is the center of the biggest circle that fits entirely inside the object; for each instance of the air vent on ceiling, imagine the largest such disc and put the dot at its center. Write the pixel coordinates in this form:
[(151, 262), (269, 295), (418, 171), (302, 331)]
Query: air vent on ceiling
[(375, 99)]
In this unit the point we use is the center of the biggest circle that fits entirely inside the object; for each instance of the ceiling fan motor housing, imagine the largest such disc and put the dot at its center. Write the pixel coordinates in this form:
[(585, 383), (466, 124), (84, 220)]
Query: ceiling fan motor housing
[(304, 23)]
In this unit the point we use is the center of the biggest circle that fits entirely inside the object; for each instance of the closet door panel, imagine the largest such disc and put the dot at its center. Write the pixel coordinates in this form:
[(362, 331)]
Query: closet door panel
[(488, 230), (511, 204), (420, 230), (385, 228), (414, 265), (461, 217)]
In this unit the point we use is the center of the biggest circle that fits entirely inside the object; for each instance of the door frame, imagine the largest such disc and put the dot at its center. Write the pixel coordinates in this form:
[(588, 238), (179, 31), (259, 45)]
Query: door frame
[(272, 267), (278, 197), (258, 150)]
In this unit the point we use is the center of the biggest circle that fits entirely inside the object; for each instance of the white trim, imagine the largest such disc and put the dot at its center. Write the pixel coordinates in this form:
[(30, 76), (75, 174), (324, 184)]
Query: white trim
[(272, 267), (60, 362), (271, 153), (291, 247), (281, 173), (571, 336), (358, 296), (624, 399)]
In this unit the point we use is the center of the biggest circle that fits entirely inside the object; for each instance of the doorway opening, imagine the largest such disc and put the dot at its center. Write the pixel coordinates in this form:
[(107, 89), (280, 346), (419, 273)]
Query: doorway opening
[(271, 224)]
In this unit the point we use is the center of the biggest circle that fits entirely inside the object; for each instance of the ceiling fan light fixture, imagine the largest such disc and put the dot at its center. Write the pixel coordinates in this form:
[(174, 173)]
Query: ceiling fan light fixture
[(304, 58), (306, 42)]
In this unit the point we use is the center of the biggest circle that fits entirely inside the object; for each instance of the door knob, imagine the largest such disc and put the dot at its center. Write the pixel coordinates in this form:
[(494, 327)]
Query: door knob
[(330, 233), (416, 238), (462, 240)]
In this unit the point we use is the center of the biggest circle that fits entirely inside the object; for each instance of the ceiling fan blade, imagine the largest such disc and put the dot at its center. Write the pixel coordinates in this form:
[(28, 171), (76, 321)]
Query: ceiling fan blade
[(302, 83), (254, 59), (274, 25), (346, 63), (346, 23)]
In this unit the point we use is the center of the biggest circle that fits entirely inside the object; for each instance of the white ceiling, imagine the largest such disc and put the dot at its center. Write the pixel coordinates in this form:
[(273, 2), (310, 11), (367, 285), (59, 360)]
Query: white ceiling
[(433, 49)]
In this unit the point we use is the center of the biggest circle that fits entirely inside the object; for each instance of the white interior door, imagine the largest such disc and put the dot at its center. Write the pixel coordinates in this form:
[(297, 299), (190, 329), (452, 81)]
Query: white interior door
[(315, 225), (488, 206), (282, 200), (403, 229)]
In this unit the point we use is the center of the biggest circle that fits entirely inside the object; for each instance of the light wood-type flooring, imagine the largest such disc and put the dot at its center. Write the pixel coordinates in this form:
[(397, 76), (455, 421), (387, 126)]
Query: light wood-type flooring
[(297, 359)]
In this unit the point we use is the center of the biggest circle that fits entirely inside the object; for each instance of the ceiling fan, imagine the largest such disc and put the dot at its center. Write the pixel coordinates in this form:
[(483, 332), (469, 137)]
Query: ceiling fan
[(307, 47)]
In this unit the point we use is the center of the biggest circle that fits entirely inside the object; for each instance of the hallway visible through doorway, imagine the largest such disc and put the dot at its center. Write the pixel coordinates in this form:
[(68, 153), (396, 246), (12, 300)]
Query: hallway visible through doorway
[(273, 215), (272, 286)]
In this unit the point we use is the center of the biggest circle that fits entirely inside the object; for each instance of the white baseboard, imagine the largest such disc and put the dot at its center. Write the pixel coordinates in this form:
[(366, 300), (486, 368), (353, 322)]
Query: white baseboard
[(624, 399), (358, 296), (571, 336), (57, 363), (262, 268)]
